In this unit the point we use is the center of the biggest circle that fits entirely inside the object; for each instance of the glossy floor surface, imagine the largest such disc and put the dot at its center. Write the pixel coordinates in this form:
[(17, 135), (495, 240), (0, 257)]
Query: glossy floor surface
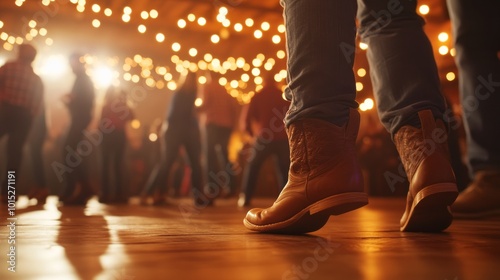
[(126, 242)]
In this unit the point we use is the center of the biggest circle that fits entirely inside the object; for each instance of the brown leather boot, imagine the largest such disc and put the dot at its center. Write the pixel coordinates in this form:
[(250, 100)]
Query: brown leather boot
[(324, 179), (481, 198), (433, 189)]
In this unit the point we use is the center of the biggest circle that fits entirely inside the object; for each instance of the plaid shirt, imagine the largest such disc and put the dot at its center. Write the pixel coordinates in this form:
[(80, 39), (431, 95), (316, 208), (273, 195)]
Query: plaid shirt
[(20, 86)]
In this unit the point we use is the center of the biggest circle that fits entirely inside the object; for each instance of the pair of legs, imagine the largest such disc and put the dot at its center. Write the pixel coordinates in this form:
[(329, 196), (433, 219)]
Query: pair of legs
[(15, 122), (218, 157), (322, 123), (40, 190), (113, 148), (478, 61), (262, 150), (79, 176), (178, 135)]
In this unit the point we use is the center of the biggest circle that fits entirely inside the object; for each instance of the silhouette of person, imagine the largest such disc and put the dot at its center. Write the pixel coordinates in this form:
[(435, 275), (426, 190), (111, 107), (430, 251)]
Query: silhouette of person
[(117, 114), (263, 123), (221, 113), (80, 102), (182, 129), (21, 98)]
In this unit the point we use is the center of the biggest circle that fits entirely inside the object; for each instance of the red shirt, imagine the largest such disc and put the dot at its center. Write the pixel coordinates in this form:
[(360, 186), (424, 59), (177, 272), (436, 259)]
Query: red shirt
[(264, 117), (219, 107), (20, 86)]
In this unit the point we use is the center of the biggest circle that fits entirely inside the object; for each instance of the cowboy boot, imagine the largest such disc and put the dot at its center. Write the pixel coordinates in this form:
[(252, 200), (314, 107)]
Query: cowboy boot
[(324, 179), (481, 198), (432, 189)]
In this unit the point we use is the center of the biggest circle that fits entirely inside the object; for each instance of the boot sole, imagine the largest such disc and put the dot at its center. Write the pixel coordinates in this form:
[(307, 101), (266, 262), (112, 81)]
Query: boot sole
[(314, 216), (430, 210)]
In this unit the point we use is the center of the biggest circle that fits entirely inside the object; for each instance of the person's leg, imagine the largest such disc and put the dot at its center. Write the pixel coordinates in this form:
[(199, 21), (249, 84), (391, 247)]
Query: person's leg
[(106, 152), (159, 176), (322, 122), (407, 89), (192, 144), (477, 51), (212, 164), (17, 136), (40, 190), (225, 136), (259, 152), (121, 188)]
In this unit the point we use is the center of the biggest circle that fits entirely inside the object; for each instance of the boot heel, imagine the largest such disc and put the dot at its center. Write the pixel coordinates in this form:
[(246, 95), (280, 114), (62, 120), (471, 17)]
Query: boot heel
[(340, 203), (430, 209)]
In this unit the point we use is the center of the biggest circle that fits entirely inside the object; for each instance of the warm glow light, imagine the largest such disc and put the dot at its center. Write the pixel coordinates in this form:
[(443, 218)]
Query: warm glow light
[(450, 76), (19, 41), (33, 32), (280, 54), (135, 124), (238, 27), (1, 24), (193, 52), (153, 137), (423, 9), (32, 24), (453, 52), (96, 23), (215, 38), (223, 11), (258, 80), (443, 37), (208, 57), (359, 86), (153, 13), (226, 23), (256, 72), (245, 77), (54, 65), (176, 47), (141, 28), (363, 46), (222, 81), (96, 8), (202, 80), (198, 102), (443, 50), (257, 34), (171, 85), (160, 37), (108, 12), (125, 18), (191, 17), (202, 21), (49, 41), (42, 31), (249, 22), (265, 26), (281, 28), (181, 23), (103, 77), (80, 8), (144, 15), (276, 39), (127, 10), (361, 72)]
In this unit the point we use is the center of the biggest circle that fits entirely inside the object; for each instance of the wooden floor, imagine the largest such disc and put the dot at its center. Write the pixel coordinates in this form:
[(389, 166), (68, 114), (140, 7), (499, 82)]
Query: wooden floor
[(135, 242)]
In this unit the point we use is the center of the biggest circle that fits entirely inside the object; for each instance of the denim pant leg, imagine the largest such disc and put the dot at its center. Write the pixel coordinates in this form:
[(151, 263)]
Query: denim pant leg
[(402, 67), (476, 28), (261, 150), (320, 44)]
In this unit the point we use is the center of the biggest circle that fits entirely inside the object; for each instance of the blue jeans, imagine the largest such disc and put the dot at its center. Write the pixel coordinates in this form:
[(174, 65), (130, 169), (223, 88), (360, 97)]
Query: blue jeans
[(321, 46), (476, 28)]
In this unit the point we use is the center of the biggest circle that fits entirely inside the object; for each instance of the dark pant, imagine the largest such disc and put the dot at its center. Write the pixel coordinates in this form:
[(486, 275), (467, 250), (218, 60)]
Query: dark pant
[(260, 151), (177, 135), (38, 133), (15, 122), (79, 173), (476, 28), (113, 148), (217, 156), (321, 46)]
